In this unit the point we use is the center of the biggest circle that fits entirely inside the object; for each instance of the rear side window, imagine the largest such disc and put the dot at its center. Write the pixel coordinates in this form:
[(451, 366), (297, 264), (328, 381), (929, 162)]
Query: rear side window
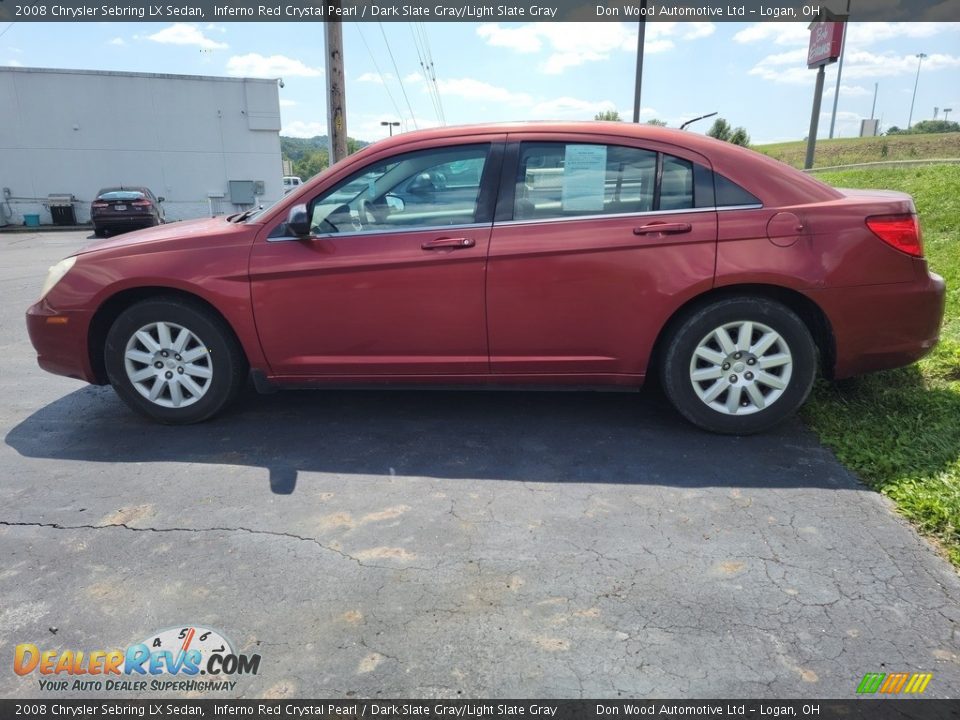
[(729, 194), (556, 180)]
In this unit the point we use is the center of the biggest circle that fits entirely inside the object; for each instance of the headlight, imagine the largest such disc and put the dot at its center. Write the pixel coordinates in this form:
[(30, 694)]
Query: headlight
[(55, 274)]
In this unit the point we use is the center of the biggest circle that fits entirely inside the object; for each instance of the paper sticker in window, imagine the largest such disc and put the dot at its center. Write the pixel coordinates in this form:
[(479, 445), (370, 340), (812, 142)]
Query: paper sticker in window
[(584, 176)]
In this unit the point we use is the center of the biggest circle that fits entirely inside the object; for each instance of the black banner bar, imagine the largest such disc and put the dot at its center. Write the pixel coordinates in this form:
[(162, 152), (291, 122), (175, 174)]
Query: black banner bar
[(343, 709), (459, 10)]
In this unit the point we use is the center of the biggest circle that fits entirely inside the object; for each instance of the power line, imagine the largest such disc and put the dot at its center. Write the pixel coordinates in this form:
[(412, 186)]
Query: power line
[(433, 71), (6, 28), (421, 53), (400, 79), (383, 80)]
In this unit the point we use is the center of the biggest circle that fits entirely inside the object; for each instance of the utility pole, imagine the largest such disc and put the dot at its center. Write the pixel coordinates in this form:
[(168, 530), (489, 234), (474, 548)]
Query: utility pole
[(814, 119), (873, 108), (641, 34), (336, 95)]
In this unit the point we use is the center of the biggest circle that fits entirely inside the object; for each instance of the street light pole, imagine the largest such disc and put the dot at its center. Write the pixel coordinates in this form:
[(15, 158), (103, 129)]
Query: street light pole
[(390, 125), (836, 92), (946, 113), (638, 81), (920, 57)]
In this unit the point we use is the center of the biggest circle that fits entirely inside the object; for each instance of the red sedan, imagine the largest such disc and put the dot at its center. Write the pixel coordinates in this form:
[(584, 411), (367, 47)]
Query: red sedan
[(574, 254)]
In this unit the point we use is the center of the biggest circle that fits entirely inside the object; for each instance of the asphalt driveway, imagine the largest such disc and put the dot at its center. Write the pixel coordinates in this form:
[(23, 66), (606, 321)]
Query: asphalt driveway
[(448, 544)]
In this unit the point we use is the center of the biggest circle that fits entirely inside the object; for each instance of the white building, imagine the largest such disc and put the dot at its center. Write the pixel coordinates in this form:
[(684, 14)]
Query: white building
[(185, 137)]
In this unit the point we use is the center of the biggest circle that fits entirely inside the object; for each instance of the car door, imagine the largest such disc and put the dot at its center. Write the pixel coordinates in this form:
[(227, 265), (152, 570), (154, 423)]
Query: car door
[(383, 287), (594, 241)]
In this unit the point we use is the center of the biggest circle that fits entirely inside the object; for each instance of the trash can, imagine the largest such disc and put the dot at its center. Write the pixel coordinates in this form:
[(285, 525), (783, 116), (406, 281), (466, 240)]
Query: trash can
[(31, 220), (61, 209)]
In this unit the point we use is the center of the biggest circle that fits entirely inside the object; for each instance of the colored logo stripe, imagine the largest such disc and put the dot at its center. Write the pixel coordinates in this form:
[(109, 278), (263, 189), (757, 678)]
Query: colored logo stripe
[(894, 683)]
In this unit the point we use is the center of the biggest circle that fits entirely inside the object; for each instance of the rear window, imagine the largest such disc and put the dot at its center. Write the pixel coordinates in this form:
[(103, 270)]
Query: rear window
[(121, 195)]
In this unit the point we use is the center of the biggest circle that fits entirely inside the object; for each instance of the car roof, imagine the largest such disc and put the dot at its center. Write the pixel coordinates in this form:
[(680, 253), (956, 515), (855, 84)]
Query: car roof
[(122, 188)]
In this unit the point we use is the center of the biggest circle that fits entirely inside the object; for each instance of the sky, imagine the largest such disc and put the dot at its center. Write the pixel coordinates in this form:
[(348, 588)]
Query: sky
[(753, 74)]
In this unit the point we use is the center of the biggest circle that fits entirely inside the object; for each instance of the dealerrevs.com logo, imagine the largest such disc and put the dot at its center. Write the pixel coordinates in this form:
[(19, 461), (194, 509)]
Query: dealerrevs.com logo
[(170, 660)]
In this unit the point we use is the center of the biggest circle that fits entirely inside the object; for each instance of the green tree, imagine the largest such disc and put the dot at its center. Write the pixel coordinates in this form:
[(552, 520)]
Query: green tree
[(311, 163), (935, 126), (608, 115), (739, 137), (656, 122), (720, 130)]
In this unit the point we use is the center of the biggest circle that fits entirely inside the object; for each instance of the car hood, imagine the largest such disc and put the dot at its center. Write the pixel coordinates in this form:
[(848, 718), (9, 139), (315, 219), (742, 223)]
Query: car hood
[(195, 229)]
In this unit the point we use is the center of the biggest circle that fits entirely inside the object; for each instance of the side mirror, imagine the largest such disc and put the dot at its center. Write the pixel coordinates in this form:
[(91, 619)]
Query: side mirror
[(161, 199), (297, 221), (395, 202)]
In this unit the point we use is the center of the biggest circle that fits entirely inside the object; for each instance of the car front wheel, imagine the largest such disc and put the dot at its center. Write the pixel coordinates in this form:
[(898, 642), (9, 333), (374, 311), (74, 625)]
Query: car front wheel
[(173, 361), (739, 366)]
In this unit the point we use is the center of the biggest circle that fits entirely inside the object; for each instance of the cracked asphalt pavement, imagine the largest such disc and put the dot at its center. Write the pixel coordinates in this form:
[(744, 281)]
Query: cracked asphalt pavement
[(450, 544)]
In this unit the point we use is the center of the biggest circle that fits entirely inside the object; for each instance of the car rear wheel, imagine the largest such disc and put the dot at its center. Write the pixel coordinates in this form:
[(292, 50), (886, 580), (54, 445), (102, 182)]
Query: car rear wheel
[(739, 366), (173, 361), (99, 232)]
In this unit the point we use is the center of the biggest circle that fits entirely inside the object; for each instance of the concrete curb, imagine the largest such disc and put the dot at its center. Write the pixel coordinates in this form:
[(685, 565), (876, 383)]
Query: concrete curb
[(43, 228), (887, 163)]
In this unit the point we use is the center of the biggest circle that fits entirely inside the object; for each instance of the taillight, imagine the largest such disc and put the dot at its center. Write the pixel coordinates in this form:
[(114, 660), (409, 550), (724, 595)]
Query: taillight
[(99, 204), (141, 203), (899, 231)]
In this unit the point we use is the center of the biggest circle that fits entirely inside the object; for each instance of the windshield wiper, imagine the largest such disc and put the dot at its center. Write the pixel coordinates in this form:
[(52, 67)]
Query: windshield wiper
[(244, 215)]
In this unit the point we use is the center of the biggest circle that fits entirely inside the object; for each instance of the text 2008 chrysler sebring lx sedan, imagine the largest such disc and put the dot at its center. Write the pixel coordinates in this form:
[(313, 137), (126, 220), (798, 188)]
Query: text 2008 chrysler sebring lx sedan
[(575, 254)]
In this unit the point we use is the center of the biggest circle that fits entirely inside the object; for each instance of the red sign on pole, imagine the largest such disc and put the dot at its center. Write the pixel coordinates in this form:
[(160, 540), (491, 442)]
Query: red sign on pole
[(826, 39)]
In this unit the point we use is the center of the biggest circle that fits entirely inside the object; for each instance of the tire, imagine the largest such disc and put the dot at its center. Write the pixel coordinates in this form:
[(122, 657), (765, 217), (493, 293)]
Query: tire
[(712, 378), (99, 232), (202, 366)]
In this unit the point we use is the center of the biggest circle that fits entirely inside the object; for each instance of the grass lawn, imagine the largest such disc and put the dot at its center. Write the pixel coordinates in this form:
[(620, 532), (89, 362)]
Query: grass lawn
[(847, 151), (900, 430)]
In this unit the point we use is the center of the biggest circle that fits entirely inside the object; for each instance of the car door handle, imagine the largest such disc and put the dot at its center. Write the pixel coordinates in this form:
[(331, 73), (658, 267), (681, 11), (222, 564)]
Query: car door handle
[(662, 227), (448, 244)]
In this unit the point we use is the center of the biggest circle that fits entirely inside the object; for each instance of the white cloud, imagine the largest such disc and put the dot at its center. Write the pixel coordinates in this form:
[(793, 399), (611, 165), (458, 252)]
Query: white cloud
[(414, 78), (119, 41), (272, 66), (697, 30), (859, 35), (573, 44), (523, 39), (287, 103), (301, 129), (13, 63), (865, 64), (186, 34), (779, 33), (477, 90), (568, 107), (854, 91), (523, 104), (373, 78)]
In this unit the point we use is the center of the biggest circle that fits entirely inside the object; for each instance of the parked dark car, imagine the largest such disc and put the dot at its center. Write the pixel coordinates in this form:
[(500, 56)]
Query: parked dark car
[(118, 209), (574, 254)]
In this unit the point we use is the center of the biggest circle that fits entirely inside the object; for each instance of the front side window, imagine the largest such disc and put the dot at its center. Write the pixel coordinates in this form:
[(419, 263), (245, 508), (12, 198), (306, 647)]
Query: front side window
[(427, 188)]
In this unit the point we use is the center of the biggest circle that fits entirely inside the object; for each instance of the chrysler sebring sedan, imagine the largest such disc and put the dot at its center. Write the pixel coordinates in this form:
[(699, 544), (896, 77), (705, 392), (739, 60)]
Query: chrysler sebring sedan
[(587, 255)]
